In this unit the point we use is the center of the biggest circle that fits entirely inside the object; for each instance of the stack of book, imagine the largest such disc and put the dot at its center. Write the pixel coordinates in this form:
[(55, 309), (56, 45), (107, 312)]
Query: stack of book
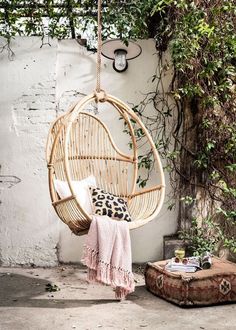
[(187, 265)]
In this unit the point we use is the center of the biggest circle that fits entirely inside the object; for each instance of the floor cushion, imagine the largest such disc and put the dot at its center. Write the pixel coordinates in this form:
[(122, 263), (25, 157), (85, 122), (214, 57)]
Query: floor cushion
[(205, 287)]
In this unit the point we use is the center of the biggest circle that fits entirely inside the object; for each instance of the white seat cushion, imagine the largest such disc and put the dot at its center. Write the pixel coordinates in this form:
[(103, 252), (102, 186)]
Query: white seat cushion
[(81, 189)]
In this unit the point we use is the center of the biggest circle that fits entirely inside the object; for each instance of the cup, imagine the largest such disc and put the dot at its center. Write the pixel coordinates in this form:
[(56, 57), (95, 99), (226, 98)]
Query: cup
[(180, 253)]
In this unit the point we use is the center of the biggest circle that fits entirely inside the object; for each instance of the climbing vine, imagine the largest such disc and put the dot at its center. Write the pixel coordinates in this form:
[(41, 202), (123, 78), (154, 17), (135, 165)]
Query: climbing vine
[(194, 120), (201, 36), (69, 19)]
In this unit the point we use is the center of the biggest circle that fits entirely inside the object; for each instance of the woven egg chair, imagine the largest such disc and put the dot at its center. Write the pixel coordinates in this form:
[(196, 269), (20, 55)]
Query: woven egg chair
[(80, 144)]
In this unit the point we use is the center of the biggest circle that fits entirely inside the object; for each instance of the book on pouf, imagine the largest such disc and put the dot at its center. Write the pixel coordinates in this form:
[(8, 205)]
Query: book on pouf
[(188, 265)]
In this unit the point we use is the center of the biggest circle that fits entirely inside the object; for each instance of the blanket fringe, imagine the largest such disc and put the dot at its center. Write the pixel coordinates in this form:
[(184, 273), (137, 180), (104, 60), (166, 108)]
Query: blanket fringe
[(101, 272)]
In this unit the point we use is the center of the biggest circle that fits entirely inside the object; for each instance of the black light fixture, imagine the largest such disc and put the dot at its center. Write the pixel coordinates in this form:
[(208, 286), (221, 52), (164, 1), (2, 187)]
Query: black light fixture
[(116, 50)]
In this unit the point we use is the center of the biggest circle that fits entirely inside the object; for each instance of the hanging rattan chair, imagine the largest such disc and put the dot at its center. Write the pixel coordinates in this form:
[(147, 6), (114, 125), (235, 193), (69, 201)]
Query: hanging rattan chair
[(80, 144)]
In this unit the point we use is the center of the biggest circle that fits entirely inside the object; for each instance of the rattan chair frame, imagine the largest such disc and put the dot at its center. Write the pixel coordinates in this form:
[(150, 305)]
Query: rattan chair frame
[(64, 158)]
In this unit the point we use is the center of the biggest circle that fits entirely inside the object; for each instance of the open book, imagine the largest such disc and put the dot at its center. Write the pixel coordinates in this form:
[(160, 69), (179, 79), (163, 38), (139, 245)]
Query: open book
[(188, 265)]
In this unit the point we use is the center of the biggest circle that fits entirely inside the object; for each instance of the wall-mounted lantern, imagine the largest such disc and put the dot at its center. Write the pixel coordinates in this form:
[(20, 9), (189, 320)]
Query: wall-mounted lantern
[(116, 50)]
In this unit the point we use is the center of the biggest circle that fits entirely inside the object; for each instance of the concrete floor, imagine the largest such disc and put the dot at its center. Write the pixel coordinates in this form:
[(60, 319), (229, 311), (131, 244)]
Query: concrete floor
[(24, 304)]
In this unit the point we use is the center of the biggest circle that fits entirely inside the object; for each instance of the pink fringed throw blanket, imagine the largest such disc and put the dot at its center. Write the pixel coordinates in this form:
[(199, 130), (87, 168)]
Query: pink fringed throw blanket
[(107, 254)]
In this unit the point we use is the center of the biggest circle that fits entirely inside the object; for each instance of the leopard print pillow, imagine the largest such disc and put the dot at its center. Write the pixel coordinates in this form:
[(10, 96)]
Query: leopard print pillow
[(108, 204)]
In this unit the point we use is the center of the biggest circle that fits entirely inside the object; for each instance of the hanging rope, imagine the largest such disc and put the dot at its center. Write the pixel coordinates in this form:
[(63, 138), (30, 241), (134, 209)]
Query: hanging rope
[(99, 48), (99, 93)]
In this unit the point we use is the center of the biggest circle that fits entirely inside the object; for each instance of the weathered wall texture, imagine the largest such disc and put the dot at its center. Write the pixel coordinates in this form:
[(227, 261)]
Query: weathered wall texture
[(37, 85)]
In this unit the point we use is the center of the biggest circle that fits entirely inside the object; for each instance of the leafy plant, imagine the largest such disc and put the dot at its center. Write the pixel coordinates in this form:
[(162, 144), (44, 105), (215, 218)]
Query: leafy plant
[(203, 238)]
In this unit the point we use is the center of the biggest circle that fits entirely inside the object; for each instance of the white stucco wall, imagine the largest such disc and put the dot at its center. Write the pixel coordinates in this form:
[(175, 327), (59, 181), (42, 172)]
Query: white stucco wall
[(37, 85)]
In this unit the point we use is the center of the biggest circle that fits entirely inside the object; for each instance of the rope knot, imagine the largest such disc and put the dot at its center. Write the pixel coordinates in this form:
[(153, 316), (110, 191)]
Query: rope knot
[(100, 96)]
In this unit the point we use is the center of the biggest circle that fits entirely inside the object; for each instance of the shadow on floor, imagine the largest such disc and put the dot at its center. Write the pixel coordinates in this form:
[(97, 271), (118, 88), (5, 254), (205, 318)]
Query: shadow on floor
[(22, 291), (147, 300)]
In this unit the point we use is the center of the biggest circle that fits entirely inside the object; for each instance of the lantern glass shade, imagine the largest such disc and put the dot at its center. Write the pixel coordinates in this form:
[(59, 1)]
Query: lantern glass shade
[(120, 63)]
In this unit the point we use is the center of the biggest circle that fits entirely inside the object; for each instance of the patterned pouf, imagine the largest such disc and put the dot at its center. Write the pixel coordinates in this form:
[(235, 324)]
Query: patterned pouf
[(205, 287)]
